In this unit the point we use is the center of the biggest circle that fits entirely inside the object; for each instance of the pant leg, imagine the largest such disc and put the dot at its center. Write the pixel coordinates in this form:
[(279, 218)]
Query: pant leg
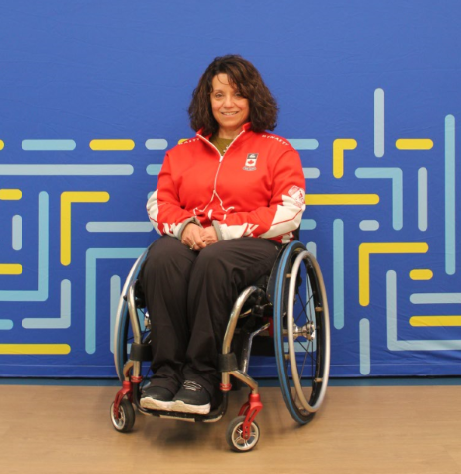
[(164, 279), (220, 272)]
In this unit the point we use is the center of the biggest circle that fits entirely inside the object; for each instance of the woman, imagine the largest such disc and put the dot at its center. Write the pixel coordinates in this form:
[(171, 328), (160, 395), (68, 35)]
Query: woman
[(226, 200)]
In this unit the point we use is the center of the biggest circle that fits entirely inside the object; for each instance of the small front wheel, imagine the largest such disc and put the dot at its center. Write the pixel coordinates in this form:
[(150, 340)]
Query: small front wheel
[(234, 435), (126, 416)]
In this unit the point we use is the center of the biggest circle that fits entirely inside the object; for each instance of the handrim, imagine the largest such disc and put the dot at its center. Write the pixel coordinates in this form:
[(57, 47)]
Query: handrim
[(305, 255)]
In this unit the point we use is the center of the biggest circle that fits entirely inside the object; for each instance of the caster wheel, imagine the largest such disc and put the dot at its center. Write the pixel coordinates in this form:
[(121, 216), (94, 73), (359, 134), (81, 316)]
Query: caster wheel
[(234, 435), (127, 416)]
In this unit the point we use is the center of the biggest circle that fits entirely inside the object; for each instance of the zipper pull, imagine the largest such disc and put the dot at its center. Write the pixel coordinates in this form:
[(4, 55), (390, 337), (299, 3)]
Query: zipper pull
[(222, 158)]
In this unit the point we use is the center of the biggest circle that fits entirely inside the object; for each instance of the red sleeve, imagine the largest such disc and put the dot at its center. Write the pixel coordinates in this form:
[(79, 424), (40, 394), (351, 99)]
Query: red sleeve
[(164, 208)]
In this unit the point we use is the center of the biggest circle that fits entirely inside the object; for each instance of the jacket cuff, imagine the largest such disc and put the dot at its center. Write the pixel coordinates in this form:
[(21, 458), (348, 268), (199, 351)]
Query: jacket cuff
[(218, 230), (192, 220)]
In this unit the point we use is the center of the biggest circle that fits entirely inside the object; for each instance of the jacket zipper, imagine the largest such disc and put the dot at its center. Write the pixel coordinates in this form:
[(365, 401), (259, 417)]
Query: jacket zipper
[(221, 158)]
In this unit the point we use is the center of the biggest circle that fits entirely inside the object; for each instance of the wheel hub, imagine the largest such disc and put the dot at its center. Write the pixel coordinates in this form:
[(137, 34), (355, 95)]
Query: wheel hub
[(307, 331)]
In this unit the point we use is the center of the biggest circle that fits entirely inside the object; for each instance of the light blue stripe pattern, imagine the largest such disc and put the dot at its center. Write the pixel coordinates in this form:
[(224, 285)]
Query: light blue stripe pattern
[(369, 225), (379, 123), (396, 175), (422, 199), (6, 324), (308, 224), (119, 227), (338, 273), (391, 310), (156, 144), (66, 170), (63, 322), (312, 248), (435, 298), (48, 145), (115, 292), (364, 330), (41, 294), (16, 232), (304, 143), (92, 255), (311, 173), (450, 215), (393, 343), (153, 170)]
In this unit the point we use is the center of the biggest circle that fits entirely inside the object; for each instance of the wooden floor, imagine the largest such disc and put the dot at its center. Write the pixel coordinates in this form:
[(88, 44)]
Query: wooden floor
[(397, 429)]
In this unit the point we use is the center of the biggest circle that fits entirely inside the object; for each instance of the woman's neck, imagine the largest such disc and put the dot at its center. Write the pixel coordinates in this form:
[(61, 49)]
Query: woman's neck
[(228, 134)]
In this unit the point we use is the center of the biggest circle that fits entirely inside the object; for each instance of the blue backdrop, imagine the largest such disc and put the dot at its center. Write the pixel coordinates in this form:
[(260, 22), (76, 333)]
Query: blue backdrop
[(92, 93)]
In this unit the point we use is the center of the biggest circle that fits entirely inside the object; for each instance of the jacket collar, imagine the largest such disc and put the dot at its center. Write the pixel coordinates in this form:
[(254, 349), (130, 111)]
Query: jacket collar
[(245, 127)]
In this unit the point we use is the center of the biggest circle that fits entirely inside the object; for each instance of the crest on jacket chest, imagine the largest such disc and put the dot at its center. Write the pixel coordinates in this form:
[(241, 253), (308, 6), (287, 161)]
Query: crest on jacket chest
[(250, 163)]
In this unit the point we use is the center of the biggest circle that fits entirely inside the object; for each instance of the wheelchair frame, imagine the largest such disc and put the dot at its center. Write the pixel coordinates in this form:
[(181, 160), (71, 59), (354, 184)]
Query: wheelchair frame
[(280, 296)]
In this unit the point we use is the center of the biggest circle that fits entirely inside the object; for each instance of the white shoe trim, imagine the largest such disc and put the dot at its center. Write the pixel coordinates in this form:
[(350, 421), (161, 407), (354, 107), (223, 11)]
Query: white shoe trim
[(153, 404), (182, 407)]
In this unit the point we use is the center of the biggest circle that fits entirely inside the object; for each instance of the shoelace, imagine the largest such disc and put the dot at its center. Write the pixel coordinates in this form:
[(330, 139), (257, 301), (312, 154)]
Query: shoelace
[(191, 385)]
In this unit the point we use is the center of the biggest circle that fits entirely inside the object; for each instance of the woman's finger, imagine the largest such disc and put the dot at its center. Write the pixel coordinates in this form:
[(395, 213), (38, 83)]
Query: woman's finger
[(198, 242)]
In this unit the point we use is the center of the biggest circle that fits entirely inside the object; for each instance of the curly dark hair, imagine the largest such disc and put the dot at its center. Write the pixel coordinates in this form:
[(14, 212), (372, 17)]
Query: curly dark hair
[(246, 78)]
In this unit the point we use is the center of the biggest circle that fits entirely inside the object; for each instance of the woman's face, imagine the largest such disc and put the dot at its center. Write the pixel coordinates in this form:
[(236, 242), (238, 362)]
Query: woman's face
[(229, 108)]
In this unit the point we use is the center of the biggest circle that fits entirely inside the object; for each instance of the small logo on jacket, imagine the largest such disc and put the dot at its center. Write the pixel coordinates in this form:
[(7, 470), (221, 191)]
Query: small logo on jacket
[(250, 163), (297, 194)]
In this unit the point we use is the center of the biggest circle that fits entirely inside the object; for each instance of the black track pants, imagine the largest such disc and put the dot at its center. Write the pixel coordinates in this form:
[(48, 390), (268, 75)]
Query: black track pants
[(189, 296)]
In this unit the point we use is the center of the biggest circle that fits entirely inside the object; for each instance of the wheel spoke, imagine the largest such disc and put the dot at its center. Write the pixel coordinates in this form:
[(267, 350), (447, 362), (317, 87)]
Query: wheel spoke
[(304, 363), (304, 366), (303, 308), (308, 351), (301, 344), (305, 311), (312, 370)]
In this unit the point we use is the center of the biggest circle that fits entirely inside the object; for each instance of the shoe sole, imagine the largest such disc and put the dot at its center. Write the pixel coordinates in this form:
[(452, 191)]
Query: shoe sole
[(182, 407), (153, 404)]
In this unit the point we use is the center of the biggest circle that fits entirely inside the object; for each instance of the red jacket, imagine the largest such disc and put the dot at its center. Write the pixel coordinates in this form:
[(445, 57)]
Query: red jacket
[(255, 190)]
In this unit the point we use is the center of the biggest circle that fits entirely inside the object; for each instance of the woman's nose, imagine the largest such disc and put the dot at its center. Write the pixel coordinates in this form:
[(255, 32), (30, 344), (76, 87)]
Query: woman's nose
[(228, 101)]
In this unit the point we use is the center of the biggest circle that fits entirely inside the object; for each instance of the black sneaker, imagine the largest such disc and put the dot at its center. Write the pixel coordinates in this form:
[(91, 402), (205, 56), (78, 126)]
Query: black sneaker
[(157, 398), (192, 398)]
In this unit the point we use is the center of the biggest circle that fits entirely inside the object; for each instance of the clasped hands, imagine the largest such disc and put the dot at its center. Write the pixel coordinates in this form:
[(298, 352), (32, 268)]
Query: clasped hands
[(197, 238)]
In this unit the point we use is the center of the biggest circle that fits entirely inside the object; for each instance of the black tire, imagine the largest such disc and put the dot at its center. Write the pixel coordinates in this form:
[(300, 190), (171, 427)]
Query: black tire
[(236, 441), (127, 416), (301, 332)]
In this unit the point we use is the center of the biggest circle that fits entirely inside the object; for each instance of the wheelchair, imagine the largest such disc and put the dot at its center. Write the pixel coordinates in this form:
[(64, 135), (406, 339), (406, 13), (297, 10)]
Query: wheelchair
[(288, 308)]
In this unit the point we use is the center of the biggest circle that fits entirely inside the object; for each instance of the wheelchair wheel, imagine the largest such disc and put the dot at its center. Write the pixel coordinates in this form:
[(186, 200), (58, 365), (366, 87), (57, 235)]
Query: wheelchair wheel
[(301, 332), (127, 416), (122, 334), (234, 435)]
